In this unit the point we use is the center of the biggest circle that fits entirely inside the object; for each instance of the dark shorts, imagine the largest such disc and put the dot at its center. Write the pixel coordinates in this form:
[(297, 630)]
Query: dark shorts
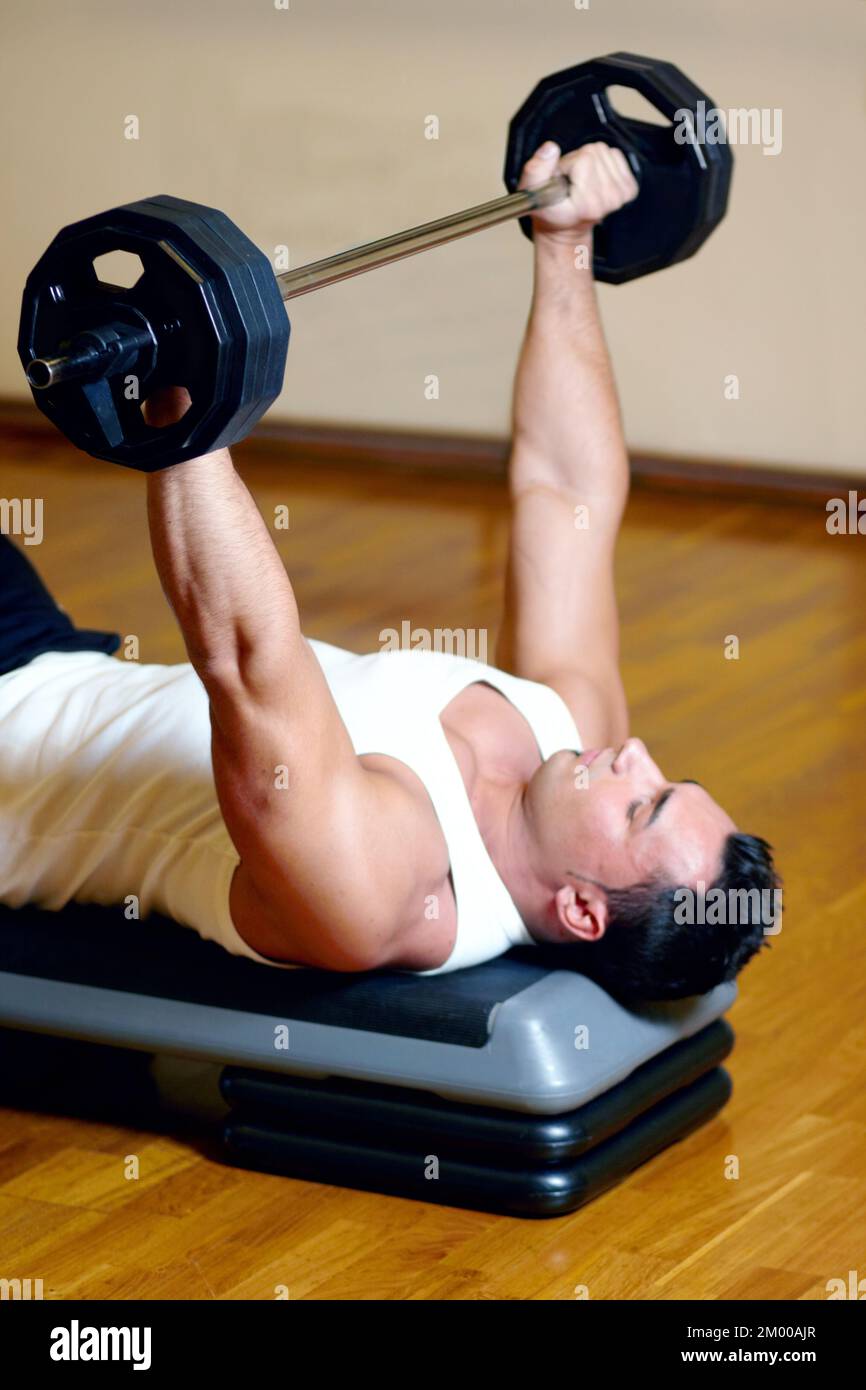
[(31, 622)]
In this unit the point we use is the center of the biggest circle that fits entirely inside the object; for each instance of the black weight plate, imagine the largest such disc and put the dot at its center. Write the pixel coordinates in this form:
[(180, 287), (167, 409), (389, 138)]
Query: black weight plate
[(63, 296), (254, 313), (212, 304), (683, 187)]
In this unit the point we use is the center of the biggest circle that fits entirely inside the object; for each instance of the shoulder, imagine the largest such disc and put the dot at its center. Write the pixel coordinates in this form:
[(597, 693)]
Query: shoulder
[(364, 888)]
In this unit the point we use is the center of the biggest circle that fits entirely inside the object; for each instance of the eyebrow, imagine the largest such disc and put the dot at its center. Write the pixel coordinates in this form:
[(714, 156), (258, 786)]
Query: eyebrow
[(666, 796), (662, 801)]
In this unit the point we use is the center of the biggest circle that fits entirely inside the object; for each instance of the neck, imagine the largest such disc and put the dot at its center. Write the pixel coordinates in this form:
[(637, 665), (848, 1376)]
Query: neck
[(504, 820)]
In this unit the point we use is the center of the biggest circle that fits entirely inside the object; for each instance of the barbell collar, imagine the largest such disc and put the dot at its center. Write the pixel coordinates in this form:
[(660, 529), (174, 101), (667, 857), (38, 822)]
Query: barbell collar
[(95, 353), (44, 372)]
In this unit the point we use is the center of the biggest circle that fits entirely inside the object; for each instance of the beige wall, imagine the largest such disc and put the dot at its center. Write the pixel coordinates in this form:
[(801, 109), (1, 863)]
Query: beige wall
[(306, 126)]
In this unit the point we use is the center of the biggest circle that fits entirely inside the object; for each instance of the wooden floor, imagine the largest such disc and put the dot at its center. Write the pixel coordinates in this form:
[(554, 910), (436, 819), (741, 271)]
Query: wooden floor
[(779, 735)]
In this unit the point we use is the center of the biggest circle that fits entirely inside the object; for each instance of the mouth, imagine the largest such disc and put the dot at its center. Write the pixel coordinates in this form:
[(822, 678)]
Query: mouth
[(589, 756)]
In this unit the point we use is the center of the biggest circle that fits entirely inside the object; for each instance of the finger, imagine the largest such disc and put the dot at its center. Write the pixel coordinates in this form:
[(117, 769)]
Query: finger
[(620, 161), (611, 159), (624, 173), (541, 167)]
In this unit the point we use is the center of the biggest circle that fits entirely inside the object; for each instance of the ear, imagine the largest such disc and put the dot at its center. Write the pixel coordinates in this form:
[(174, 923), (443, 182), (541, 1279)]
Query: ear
[(581, 911)]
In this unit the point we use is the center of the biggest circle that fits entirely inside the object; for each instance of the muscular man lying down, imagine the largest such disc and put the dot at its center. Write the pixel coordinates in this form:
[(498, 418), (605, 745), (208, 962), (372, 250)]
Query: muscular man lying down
[(305, 805)]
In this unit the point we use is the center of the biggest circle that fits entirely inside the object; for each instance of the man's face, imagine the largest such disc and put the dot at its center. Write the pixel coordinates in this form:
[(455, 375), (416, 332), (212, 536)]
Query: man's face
[(610, 815)]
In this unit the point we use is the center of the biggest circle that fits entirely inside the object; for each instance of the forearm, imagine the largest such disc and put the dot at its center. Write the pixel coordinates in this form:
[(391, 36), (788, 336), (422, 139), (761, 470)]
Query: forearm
[(566, 426), (220, 571)]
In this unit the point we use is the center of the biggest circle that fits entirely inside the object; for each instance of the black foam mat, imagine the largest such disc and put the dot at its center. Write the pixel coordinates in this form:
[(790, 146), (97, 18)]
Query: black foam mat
[(98, 947)]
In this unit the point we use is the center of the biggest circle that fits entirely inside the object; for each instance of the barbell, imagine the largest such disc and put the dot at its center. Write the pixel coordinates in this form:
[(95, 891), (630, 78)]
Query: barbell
[(206, 312)]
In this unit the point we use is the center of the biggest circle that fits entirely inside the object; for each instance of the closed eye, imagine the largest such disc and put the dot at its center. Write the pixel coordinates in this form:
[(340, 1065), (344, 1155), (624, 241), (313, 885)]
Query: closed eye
[(662, 801), (634, 806)]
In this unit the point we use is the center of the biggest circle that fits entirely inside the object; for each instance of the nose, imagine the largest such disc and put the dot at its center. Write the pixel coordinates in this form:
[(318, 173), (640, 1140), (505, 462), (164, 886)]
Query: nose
[(631, 756)]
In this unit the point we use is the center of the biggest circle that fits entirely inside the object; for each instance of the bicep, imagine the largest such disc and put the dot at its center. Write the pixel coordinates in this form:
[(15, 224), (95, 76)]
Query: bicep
[(561, 624)]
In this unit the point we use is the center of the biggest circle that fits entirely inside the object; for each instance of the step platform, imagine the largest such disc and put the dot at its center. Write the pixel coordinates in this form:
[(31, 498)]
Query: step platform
[(516, 1086)]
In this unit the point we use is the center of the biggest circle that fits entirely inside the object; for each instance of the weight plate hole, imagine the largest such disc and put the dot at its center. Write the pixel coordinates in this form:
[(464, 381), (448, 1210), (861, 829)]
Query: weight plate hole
[(632, 106), (120, 269), (166, 406)]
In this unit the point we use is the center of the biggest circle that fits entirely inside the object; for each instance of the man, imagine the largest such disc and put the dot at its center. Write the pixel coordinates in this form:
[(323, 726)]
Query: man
[(411, 810)]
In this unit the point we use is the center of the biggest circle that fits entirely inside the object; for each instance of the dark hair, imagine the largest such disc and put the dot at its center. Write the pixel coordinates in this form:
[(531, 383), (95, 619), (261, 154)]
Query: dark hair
[(648, 952)]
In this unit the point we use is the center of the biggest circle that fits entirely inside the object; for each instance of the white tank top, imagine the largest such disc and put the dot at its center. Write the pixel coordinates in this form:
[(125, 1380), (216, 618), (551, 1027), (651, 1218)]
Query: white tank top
[(107, 792)]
